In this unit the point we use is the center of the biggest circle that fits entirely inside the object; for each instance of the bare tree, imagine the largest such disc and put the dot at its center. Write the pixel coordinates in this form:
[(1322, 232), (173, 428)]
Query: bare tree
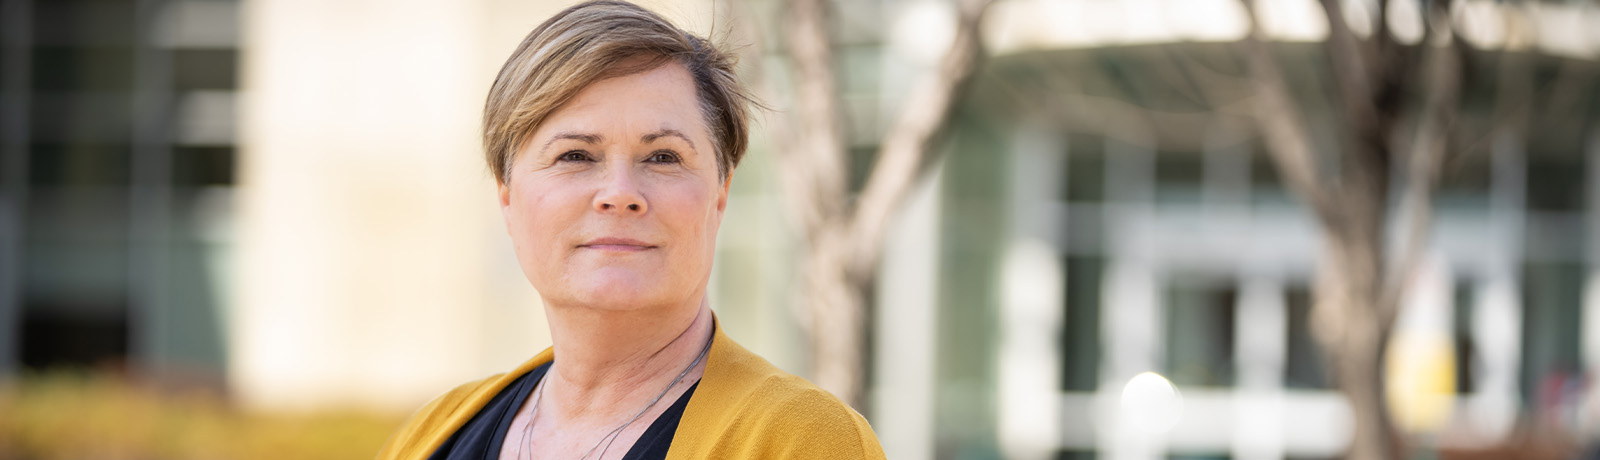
[(1360, 278), (843, 234)]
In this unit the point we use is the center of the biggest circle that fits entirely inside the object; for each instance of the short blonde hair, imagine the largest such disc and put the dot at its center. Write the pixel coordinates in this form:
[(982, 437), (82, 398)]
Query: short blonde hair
[(601, 39)]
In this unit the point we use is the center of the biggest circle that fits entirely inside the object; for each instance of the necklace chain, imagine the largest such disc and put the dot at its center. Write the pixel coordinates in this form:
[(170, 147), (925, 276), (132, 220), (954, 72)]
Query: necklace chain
[(527, 432)]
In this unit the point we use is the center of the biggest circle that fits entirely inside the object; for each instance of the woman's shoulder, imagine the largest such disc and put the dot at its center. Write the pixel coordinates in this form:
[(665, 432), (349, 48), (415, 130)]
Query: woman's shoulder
[(791, 407), (788, 395), (748, 408)]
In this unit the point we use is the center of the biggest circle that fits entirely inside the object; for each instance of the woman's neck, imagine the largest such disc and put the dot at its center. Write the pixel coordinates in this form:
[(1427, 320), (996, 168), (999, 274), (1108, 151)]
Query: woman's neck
[(609, 363)]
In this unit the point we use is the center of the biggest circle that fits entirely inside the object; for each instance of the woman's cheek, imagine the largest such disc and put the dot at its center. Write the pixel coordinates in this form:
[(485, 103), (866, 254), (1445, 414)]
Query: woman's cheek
[(533, 221)]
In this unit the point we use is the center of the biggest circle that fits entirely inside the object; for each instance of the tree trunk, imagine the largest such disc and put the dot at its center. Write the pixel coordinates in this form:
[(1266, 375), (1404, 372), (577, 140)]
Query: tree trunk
[(1360, 364), (1355, 336), (1358, 285), (837, 311), (843, 241)]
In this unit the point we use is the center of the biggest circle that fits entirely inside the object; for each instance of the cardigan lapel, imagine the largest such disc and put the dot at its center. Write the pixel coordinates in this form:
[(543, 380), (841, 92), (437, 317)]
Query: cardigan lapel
[(731, 374)]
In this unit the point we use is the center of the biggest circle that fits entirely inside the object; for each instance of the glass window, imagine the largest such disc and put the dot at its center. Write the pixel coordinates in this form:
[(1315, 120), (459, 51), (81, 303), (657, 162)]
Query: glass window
[(202, 166), (52, 338), (79, 164), (1200, 318), (98, 68), (1076, 454), (1464, 183), (195, 69), (1266, 188), (1555, 183), (1303, 367), (1086, 169), (1552, 302), (83, 22), (57, 117), (1466, 346), (1081, 340), (1179, 177)]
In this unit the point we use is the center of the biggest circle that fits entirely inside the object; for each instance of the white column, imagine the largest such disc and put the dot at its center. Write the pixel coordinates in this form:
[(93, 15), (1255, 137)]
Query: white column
[(908, 324), (1497, 317), (1591, 299), (1497, 326), (1589, 418), (1030, 362), (1589, 413), (1132, 325), (1132, 317), (1262, 323), (1031, 289)]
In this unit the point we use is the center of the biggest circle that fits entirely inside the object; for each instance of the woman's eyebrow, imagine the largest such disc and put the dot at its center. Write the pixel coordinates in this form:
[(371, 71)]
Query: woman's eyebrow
[(585, 137), (665, 132)]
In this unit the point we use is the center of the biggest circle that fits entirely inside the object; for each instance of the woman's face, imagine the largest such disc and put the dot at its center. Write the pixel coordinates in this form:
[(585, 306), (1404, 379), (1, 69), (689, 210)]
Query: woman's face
[(615, 200)]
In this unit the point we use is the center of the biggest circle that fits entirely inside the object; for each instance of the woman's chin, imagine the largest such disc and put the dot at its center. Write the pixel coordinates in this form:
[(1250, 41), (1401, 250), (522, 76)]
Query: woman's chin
[(621, 294)]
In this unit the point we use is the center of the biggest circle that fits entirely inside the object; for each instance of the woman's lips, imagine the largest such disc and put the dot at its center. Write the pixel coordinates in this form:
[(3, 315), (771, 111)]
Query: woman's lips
[(617, 244)]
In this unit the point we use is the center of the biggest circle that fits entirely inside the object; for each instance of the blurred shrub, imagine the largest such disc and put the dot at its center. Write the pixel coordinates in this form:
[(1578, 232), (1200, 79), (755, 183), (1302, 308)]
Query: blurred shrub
[(77, 415)]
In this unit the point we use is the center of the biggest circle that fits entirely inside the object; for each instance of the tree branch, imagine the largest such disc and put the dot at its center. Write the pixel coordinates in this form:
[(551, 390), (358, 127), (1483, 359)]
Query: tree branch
[(1282, 126), (903, 155), (1442, 68), (1353, 72), (816, 161)]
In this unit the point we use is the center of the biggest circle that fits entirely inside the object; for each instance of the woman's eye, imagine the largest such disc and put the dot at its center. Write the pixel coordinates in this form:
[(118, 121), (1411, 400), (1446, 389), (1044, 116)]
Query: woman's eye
[(575, 155), (663, 156)]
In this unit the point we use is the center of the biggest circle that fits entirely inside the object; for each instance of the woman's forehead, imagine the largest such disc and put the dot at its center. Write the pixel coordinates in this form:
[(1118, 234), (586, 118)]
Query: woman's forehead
[(647, 106)]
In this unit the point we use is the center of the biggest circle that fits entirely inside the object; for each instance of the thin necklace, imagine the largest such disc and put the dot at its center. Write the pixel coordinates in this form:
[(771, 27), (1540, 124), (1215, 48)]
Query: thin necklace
[(527, 430)]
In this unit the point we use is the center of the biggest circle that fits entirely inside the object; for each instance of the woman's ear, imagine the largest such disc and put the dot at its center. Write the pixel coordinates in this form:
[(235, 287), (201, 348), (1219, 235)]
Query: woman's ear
[(722, 195), (504, 192)]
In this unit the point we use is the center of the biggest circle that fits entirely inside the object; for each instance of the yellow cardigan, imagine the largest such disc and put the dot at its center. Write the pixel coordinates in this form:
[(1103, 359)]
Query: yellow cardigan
[(744, 408)]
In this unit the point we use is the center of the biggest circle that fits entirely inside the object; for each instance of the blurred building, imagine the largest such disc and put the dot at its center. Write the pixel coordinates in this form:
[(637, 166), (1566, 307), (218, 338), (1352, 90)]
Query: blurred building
[(1102, 216), (118, 154)]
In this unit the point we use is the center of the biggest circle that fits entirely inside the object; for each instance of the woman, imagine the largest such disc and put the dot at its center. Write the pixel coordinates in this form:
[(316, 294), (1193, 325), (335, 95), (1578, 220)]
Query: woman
[(613, 136)]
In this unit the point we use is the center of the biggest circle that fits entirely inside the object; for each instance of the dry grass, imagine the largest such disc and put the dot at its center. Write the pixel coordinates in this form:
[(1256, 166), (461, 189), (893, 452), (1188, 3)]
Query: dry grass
[(76, 415)]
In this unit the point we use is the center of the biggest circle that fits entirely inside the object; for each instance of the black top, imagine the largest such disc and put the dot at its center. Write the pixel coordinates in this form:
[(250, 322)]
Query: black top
[(482, 437)]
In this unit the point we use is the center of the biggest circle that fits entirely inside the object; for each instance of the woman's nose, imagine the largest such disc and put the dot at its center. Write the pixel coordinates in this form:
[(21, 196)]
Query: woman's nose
[(620, 194)]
